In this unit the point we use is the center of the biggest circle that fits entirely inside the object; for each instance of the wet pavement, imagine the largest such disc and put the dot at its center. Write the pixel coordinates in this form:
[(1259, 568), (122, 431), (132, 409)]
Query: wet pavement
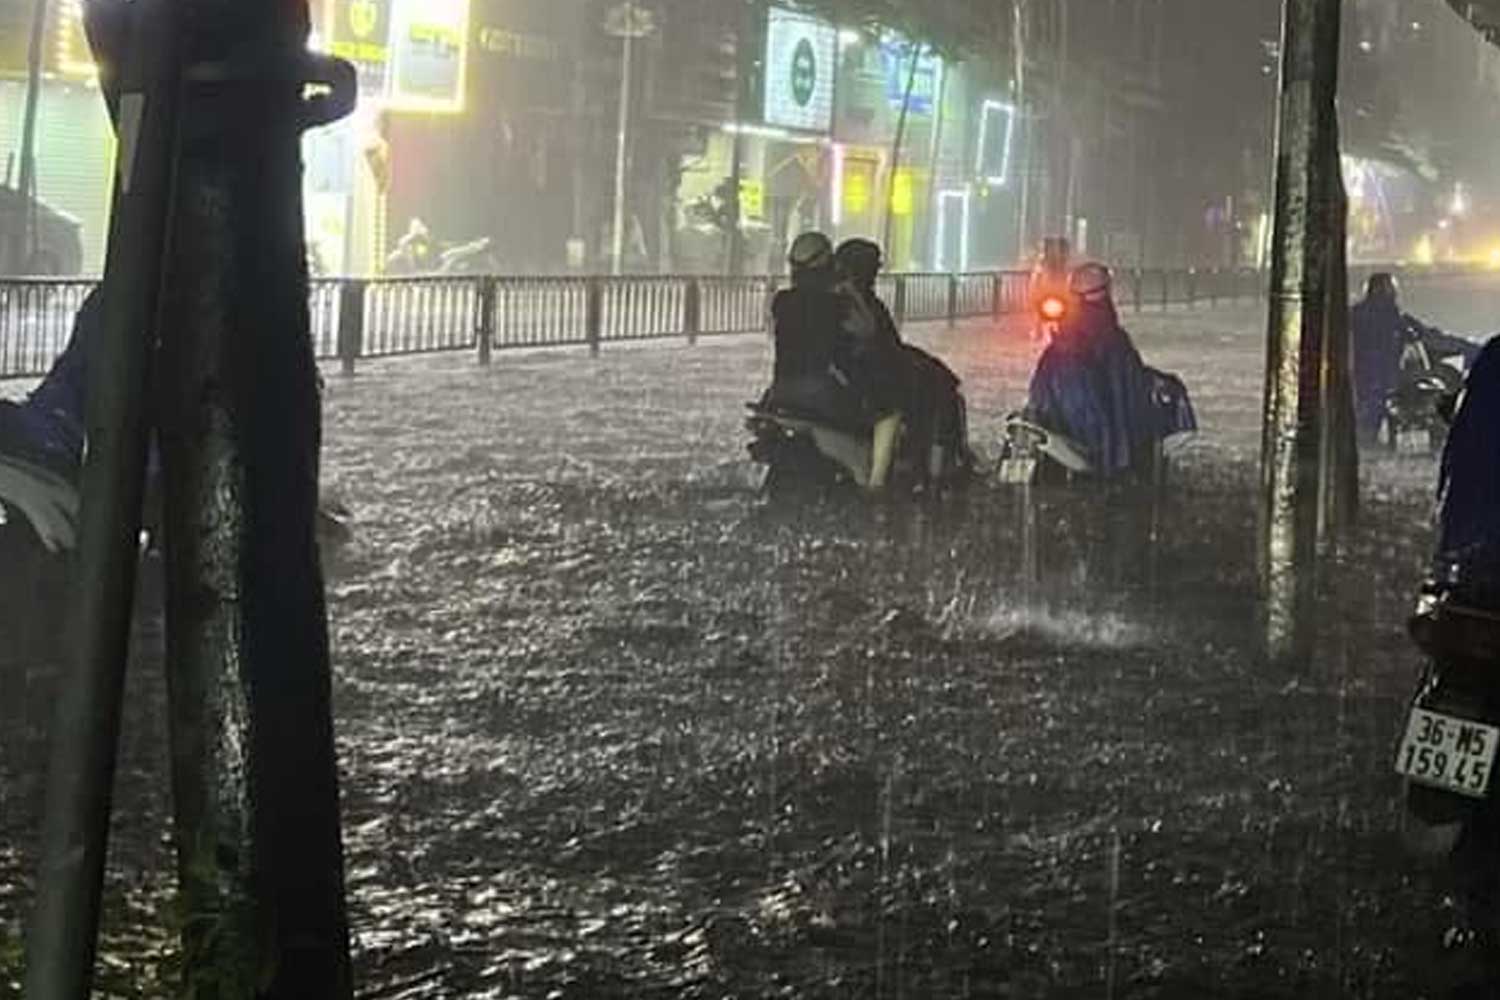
[(611, 726)]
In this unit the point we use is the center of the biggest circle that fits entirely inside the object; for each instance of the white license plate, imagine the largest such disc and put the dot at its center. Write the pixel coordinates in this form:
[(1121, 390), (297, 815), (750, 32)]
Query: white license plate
[(1017, 471), (1444, 752)]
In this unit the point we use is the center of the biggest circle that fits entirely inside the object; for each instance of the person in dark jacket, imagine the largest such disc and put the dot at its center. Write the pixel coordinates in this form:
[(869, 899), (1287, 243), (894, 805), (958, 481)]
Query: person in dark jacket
[(48, 426), (42, 440), (1381, 334), (1091, 385), (921, 385), (814, 343), (823, 367), (1469, 476)]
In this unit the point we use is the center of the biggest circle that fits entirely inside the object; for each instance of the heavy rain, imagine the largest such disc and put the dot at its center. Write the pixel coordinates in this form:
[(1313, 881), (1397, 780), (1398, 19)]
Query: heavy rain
[(1014, 658)]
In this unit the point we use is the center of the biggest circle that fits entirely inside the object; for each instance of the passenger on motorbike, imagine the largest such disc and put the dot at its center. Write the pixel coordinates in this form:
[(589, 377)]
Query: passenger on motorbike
[(1469, 479), (1091, 385), (920, 385), (824, 366), (1381, 334)]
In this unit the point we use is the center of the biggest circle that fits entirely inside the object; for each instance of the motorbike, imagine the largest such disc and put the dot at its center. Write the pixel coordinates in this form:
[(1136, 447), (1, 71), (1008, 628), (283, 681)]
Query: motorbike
[(1446, 752), (44, 499), (1032, 453), (414, 252), (474, 257), (1427, 388), (805, 448), (417, 253)]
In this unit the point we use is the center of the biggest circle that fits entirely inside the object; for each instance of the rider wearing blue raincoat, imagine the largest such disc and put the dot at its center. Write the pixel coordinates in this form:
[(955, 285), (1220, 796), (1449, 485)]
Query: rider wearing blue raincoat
[(1381, 333), (1092, 386)]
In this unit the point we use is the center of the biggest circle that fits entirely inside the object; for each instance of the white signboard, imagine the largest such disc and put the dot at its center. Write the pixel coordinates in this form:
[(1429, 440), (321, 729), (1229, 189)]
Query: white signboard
[(801, 57), (429, 46)]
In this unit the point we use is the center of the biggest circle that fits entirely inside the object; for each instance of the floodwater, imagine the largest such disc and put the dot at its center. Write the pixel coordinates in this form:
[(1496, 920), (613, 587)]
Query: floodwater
[(612, 726)]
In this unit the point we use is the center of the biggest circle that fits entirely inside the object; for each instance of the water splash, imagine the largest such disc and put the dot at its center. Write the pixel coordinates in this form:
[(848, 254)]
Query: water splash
[(1067, 626)]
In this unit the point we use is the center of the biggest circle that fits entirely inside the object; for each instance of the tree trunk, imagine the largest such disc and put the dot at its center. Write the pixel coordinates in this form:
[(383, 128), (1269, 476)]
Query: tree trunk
[(1306, 226), (254, 776), (1339, 472)]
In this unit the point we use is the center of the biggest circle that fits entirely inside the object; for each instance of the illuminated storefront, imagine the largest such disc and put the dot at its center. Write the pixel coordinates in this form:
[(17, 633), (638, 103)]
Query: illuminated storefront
[(74, 143), (411, 58)]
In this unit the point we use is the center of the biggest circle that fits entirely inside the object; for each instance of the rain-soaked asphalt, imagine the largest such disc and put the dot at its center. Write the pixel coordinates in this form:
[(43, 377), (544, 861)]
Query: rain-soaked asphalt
[(612, 727)]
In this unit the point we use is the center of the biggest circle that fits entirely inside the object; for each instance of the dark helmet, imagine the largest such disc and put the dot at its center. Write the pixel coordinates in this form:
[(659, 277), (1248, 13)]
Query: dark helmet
[(1382, 285), (860, 259), (1091, 282), (811, 251)]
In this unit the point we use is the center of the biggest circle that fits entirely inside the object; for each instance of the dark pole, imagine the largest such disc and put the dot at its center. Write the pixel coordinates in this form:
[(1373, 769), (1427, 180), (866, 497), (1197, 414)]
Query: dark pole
[(64, 929), (255, 788), (1305, 226), (744, 31), (890, 197), (1025, 129), (23, 238)]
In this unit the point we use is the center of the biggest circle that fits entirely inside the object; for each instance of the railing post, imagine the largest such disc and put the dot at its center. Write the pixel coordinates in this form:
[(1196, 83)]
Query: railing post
[(351, 336), (1214, 277), (997, 295), (1137, 280), (952, 301), (692, 310), (486, 328), (595, 316), (1166, 289), (900, 304), (1191, 291)]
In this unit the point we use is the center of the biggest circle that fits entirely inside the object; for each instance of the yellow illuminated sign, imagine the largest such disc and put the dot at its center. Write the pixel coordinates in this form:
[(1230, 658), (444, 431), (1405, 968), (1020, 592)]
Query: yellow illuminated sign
[(359, 31), (856, 192), (903, 194), (364, 18), (752, 199)]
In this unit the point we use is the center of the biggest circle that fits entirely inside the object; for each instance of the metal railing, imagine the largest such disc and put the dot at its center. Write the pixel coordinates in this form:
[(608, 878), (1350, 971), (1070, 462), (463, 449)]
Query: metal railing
[(366, 318)]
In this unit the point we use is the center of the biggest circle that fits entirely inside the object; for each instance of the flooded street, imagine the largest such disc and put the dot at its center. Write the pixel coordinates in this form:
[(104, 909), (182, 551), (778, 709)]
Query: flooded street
[(611, 726)]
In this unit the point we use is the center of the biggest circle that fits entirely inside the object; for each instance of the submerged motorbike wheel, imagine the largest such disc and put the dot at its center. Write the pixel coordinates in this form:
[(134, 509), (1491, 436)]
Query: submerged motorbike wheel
[(796, 470)]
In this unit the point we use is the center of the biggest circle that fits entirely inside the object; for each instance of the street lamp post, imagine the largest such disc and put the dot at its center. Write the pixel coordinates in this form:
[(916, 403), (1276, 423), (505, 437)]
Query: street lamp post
[(23, 245), (626, 22)]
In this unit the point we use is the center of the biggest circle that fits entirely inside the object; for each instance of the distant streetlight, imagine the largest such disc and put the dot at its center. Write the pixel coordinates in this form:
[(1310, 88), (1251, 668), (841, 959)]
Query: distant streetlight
[(626, 22)]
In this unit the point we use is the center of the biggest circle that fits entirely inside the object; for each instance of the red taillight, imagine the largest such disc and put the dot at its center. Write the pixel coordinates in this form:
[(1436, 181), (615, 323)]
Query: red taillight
[(1054, 308)]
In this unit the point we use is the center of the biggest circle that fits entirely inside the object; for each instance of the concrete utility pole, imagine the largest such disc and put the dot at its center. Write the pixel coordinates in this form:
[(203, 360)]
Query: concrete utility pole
[(1026, 128), (627, 22), (62, 937), (1303, 463)]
